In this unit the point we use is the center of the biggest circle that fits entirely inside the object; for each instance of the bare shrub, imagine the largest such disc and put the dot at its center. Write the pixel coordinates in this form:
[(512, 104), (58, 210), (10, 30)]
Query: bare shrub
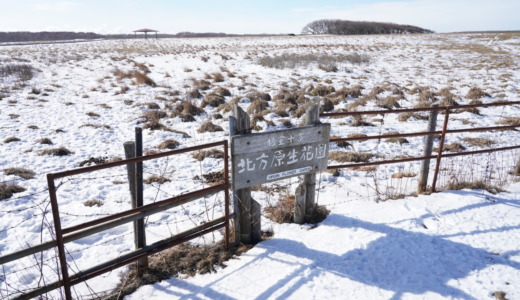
[(209, 127), (211, 153), (24, 72), (169, 144), (356, 157), (20, 172), (403, 117), (60, 151), (7, 190), (97, 126)]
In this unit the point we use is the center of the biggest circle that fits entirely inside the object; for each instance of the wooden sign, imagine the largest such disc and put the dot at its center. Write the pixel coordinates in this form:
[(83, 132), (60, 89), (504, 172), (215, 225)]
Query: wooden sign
[(268, 156)]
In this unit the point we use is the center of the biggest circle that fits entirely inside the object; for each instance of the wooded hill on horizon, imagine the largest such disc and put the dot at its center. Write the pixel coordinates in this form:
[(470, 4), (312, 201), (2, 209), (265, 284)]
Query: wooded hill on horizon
[(345, 27)]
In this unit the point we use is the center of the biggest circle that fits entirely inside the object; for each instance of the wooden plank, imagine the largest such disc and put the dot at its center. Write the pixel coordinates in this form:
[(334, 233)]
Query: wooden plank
[(428, 148), (267, 157)]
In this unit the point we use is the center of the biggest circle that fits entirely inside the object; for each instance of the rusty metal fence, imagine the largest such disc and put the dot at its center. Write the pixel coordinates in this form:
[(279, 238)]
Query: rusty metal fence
[(65, 235), (446, 110)]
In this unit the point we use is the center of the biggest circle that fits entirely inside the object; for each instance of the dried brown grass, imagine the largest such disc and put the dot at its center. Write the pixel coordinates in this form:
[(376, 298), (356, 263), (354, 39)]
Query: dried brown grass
[(351, 156), (7, 190), (20, 172)]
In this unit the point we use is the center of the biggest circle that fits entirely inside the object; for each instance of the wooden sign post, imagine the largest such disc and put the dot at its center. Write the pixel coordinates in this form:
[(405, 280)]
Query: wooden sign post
[(270, 156)]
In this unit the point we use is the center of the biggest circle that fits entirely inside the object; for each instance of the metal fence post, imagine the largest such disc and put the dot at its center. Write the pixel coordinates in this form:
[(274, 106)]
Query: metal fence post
[(441, 147)]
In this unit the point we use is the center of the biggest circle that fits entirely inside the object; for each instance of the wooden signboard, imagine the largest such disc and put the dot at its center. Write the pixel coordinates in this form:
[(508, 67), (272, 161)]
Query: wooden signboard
[(269, 156)]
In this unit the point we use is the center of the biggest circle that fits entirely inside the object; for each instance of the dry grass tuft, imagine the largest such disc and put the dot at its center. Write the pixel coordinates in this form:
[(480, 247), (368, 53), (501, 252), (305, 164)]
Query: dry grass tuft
[(474, 185), (141, 78), (93, 202), (201, 84), (404, 175), (7, 190), (322, 90), (478, 142), (452, 147), (20, 172), (186, 110), (475, 93), (213, 99), (168, 144), (213, 178), (509, 121), (209, 127), (11, 139), (399, 140), (283, 211), (357, 157), (60, 151), (257, 106), (183, 259), (212, 153), (156, 179)]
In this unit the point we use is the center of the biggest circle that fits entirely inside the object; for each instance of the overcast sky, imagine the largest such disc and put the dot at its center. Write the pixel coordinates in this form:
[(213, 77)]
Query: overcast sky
[(251, 16)]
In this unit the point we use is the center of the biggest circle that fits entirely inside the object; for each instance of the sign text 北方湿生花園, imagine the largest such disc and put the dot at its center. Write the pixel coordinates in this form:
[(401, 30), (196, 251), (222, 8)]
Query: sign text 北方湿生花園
[(262, 157)]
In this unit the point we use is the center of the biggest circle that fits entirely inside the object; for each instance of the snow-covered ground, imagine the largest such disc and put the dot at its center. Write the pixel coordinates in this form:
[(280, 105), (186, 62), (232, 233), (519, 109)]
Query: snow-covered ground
[(450, 245), (82, 98)]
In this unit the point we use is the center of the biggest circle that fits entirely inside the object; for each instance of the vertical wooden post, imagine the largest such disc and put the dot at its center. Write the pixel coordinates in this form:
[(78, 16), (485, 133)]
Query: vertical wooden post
[(135, 179), (248, 214), (312, 116), (299, 207), (141, 241), (428, 147)]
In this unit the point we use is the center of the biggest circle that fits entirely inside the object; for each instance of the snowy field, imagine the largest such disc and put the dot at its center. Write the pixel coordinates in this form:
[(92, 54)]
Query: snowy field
[(87, 98)]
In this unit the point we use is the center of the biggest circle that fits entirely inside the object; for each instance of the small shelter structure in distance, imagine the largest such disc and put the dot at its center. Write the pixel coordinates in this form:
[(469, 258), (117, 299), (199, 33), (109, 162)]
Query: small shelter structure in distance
[(145, 30)]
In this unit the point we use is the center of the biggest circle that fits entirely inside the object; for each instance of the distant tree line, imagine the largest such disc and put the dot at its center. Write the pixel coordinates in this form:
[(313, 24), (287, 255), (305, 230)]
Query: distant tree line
[(25, 36), (344, 27), (44, 36)]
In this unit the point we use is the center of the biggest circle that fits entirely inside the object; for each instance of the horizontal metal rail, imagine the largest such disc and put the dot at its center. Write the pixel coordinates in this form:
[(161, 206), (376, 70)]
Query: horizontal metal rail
[(395, 161), (117, 220), (414, 134), (130, 257), (133, 160), (425, 109)]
